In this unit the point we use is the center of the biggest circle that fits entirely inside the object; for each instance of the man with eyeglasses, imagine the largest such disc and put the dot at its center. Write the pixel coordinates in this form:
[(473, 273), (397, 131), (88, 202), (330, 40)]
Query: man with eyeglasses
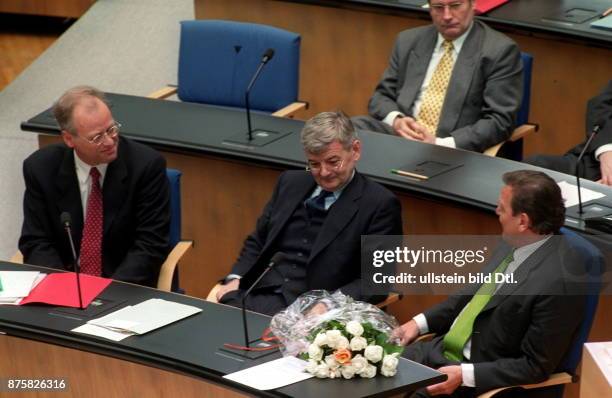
[(316, 218), (455, 83), (114, 189)]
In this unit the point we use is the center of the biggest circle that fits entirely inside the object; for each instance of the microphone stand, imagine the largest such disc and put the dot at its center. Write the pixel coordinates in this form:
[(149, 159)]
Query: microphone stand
[(77, 267), (588, 143)]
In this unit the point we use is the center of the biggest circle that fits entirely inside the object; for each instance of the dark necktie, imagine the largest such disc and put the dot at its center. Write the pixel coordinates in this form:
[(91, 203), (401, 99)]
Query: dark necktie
[(91, 242), (318, 202)]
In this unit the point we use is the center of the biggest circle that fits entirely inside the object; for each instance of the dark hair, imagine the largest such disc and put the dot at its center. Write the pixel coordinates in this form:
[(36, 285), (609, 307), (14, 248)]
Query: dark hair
[(64, 106), (537, 195)]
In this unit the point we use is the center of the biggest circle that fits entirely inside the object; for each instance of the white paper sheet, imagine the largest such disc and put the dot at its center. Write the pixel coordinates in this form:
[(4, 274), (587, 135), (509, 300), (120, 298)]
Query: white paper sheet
[(102, 332), (570, 194), (17, 285), (274, 374)]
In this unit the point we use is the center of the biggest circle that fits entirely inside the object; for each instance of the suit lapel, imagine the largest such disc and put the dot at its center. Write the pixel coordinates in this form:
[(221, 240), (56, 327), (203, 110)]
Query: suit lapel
[(521, 275), (416, 69), (115, 188), (461, 79), (339, 215), (296, 193), (69, 194)]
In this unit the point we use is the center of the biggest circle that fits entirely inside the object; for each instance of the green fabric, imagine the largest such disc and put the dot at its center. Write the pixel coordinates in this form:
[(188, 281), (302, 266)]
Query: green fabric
[(460, 332)]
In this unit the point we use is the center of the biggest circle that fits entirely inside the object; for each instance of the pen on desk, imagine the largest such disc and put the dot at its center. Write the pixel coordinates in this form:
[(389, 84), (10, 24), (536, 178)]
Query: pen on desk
[(408, 174), (606, 13)]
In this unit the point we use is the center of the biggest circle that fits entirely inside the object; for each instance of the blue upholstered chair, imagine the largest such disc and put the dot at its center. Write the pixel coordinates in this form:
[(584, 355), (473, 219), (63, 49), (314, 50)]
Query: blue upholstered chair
[(168, 276), (218, 58), (566, 371), (512, 148)]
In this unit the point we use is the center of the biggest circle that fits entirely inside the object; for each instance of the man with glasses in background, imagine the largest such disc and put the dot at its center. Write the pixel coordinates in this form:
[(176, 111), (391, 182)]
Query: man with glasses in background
[(316, 218), (455, 83), (112, 191)]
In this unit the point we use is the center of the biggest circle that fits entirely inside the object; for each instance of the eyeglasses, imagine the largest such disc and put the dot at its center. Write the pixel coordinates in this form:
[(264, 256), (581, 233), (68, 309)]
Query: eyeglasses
[(440, 8), (316, 167), (112, 132)]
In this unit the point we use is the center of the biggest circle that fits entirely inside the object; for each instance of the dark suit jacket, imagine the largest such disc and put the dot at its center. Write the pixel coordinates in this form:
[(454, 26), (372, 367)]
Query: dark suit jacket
[(598, 111), (136, 211), (526, 328), (484, 93), (364, 208)]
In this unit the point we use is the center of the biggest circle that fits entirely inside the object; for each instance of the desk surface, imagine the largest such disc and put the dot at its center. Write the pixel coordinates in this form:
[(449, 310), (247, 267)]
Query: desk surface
[(179, 126), (189, 345)]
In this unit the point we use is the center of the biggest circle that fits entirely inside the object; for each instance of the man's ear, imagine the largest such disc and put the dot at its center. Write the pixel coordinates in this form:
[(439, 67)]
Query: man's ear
[(524, 222), (68, 139), (357, 150)]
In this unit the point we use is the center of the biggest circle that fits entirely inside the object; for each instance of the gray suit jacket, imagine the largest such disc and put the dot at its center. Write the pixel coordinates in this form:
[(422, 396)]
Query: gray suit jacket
[(484, 93)]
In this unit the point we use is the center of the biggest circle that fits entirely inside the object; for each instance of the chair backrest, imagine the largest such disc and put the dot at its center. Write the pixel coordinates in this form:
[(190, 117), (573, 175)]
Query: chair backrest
[(174, 180), (594, 266), (217, 60), (514, 150)]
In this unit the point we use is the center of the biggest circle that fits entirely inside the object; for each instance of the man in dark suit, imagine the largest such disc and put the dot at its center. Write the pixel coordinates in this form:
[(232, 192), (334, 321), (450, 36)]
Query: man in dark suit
[(455, 83), (316, 218), (115, 191), (490, 335), (596, 164)]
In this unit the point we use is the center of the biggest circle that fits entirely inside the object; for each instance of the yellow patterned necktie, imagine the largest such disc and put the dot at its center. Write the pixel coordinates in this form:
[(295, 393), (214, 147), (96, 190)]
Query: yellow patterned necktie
[(431, 107)]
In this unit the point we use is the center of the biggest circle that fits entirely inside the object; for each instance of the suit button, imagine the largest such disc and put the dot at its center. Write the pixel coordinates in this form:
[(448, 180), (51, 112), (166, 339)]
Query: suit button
[(305, 240), (294, 266), (287, 279), (300, 254)]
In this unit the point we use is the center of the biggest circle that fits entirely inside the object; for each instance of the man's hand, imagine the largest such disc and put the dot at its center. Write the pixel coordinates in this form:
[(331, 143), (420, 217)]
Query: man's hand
[(410, 129), (228, 287), (407, 332), (455, 377), (605, 164)]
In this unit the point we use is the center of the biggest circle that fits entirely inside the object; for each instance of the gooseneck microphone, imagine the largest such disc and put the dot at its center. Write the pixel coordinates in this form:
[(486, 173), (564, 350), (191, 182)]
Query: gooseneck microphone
[(276, 258), (594, 132), (267, 56), (66, 221)]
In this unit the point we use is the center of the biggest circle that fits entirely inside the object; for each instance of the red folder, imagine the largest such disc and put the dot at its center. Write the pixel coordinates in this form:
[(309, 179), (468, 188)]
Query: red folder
[(61, 289), (484, 6)]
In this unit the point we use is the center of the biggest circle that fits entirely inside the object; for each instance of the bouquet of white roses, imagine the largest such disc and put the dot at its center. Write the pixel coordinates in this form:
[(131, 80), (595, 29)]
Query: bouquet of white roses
[(338, 336)]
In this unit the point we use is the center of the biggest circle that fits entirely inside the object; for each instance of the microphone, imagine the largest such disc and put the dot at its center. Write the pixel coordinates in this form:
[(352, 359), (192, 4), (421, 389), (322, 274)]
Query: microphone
[(594, 132), (276, 258), (266, 57), (66, 221)]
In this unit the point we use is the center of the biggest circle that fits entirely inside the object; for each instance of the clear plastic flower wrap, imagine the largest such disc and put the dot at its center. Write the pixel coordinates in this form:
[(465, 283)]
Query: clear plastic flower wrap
[(311, 310)]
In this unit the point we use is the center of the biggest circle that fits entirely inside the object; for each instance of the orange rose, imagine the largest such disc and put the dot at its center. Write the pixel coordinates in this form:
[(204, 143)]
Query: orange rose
[(342, 355)]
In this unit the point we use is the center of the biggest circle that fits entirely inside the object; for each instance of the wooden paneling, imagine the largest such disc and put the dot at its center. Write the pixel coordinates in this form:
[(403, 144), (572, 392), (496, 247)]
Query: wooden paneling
[(344, 52), (53, 8), (93, 375)]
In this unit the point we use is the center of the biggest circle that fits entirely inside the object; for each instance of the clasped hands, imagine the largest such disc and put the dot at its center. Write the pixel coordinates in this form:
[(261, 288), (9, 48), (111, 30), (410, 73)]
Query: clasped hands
[(407, 127), (406, 334)]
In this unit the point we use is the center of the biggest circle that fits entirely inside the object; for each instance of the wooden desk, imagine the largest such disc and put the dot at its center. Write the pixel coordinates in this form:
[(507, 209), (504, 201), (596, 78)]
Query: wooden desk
[(596, 374)]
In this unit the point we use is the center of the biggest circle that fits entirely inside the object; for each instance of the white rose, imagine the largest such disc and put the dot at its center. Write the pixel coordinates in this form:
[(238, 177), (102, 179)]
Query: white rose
[(315, 352), (322, 371), (359, 363), (335, 373), (332, 337), (358, 343), (368, 372), (320, 340), (342, 343), (389, 365), (373, 353), (331, 363), (354, 328), (311, 367), (348, 371)]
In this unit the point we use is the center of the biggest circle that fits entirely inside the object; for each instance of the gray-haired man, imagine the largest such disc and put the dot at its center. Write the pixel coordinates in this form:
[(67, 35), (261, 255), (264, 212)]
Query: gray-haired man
[(316, 218)]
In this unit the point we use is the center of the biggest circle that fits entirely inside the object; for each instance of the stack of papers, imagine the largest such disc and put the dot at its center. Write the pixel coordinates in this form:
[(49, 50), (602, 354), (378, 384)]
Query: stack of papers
[(137, 319), (18, 284), (271, 375)]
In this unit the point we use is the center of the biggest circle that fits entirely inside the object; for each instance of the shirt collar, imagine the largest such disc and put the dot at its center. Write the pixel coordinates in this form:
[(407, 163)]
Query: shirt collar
[(457, 43), (521, 253), (82, 169), (337, 192)]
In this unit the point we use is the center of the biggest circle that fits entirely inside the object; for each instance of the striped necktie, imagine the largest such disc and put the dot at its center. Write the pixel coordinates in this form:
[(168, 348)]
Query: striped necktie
[(91, 242)]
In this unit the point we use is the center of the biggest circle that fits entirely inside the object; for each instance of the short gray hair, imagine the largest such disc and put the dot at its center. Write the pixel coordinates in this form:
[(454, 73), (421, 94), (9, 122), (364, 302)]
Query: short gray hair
[(325, 128), (64, 106)]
